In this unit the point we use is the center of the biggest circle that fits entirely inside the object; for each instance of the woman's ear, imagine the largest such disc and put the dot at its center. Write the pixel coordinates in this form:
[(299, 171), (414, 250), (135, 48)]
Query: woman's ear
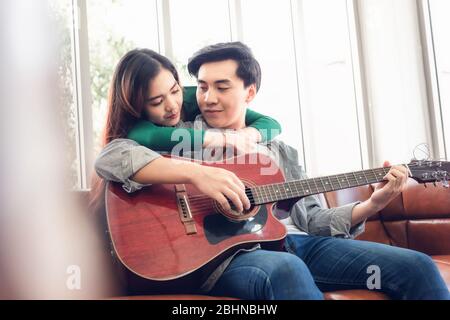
[(251, 93)]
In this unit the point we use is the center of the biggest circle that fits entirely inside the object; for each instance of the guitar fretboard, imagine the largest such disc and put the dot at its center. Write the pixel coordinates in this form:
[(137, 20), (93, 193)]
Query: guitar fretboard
[(301, 188)]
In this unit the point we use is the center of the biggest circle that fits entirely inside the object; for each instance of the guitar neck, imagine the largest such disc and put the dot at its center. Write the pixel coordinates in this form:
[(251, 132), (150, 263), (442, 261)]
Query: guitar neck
[(300, 188)]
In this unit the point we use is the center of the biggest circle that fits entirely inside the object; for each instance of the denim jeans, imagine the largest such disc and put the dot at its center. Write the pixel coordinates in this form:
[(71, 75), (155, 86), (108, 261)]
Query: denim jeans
[(318, 264), (267, 275)]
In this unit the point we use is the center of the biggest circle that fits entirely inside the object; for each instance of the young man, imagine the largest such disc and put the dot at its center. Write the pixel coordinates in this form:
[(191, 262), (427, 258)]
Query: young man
[(322, 256)]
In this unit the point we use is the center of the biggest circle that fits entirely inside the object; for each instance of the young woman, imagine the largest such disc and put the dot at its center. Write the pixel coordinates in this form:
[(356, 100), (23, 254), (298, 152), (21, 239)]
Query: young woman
[(146, 105)]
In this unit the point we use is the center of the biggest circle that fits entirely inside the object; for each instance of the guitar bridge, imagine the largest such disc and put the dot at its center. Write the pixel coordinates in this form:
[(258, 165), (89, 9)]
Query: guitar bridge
[(184, 210)]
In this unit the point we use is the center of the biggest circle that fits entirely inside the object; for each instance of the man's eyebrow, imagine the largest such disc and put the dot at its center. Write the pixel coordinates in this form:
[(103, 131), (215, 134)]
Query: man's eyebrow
[(161, 96), (224, 81)]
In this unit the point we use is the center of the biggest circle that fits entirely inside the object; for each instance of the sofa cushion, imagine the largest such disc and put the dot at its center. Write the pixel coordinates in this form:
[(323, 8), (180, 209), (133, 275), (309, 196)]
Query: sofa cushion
[(375, 231), (431, 236), (172, 297), (355, 295), (443, 264)]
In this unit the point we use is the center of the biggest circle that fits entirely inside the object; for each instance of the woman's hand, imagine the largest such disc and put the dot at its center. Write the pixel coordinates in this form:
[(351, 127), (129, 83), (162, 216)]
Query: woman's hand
[(220, 185), (242, 141)]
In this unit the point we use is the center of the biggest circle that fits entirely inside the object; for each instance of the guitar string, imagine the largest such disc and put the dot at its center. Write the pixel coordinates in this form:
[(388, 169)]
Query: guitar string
[(303, 184), (211, 202), (199, 202), (247, 191), (202, 202), (200, 199)]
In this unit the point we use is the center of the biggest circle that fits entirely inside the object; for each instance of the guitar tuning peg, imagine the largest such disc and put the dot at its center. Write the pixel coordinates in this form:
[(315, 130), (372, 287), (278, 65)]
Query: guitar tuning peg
[(434, 183), (445, 184), (425, 185)]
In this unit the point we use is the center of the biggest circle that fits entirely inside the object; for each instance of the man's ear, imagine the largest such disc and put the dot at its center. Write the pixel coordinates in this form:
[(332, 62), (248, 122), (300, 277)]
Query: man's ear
[(251, 93)]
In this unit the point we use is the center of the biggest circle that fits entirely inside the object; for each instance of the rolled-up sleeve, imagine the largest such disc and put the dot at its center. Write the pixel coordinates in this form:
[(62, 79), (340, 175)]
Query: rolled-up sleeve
[(121, 159), (311, 217)]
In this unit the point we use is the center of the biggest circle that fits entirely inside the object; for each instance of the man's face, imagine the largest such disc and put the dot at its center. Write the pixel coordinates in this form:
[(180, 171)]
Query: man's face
[(221, 95)]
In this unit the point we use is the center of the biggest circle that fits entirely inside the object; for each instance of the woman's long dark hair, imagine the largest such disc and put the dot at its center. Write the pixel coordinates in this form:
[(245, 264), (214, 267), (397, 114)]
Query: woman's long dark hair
[(129, 88), (126, 100)]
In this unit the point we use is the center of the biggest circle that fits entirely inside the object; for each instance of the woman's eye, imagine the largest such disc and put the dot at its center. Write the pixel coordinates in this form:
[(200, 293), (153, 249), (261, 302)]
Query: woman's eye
[(203, 89), (156, 103), (176, 91), (223, 89)]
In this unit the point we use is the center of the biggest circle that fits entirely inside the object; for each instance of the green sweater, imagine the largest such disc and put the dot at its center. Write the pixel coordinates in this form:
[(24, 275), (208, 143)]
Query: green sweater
[(159, 138)]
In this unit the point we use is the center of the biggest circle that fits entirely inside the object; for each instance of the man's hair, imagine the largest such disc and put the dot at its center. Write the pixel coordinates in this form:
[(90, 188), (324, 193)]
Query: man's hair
[(248, 69)]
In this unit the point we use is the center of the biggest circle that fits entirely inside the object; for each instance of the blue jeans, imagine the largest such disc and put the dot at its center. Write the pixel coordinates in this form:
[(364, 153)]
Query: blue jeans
[(341, 264), (319, 264), (267, 275)]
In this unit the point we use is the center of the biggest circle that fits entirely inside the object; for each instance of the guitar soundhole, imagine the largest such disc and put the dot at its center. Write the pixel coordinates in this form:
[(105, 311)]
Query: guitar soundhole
[(218, 227), (236, 216)]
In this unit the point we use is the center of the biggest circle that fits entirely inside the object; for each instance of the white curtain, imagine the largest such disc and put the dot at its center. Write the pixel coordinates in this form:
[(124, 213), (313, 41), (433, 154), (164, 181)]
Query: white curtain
[(440, 22), (396, 100)]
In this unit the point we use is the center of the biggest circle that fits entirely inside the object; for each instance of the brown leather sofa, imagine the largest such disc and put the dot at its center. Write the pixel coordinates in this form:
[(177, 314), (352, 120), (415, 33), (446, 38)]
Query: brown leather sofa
[(419, 219)]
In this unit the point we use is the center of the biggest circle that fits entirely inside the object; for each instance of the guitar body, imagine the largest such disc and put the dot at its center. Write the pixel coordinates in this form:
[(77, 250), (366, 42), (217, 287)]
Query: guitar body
[(151, 241)]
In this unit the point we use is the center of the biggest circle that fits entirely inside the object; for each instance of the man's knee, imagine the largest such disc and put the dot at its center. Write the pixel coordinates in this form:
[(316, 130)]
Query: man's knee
[(423, 262), (414, 266), (293, 264), (285, 265), (419, 277), (291, 276), (416, 260)]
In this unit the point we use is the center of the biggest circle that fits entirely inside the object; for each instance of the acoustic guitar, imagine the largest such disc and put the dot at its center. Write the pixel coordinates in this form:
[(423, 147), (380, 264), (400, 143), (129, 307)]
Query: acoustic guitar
[(166, 233)]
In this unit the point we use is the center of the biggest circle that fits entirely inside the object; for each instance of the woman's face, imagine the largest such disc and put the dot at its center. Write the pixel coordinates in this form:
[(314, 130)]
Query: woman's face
[(164, 99)]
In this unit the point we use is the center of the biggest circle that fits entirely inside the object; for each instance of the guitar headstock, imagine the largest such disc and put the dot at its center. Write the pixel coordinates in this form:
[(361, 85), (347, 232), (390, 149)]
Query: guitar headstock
[(430, 171)]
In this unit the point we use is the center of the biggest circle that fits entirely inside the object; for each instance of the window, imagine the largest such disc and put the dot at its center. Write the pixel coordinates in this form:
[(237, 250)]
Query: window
[(440, 21), (337, 74), (193, 25), (62, 14), (396, 100), (267, 30), (327, 87), (115, 27)]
